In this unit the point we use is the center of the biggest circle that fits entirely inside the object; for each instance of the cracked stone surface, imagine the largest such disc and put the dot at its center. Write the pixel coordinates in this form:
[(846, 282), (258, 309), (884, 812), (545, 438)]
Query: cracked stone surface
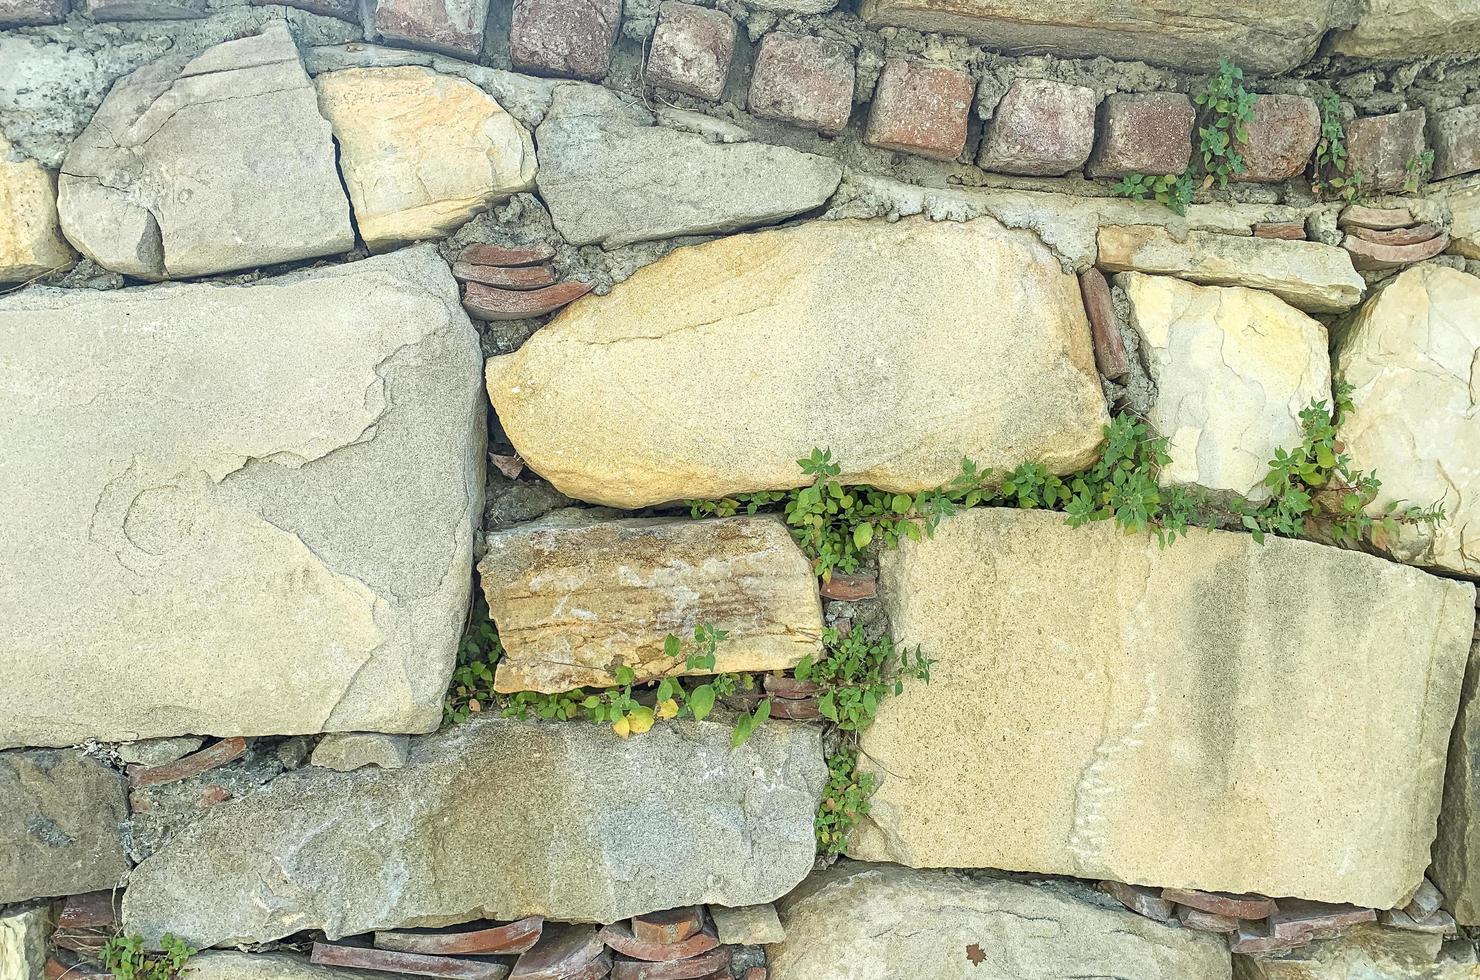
[(1367, 952), (496, 819), (167, 179), (59, 825), (863, 922), (975, 343), (610, 176), (1409, 29), (1456, 850), (1233, 370), (1413, 353), (1279, 713), (576, 596), (238, 509)]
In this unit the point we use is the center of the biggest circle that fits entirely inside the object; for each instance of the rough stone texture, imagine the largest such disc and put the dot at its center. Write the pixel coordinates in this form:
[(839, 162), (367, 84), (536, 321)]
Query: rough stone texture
[(806, 81), (23, 13), (610, 176), (421, 152), (31, 242), (1411, 351), (1233, 369), (1455, 136), (347, 10), (749, 925), (452, 27), (1309, 275), (564, 38), (691, 50), (1365, 953), (1456, 850), (1041, 128), (1262, 37), (920, 109), (106, 10), (1148, 133), (214, 964), (869, 922), (25, 935), (166, 179), (1463, 199), (1287, 737), (348, 751), (1405, 30), (1368, 255), (576, 597), (1282, 137), (496, 819), (59, 824), (975, 344), (1380, 148), (287, 500)]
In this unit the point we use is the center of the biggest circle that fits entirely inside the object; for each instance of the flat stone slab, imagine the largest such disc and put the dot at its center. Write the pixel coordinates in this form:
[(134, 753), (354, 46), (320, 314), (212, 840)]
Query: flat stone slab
[(202, 470), (1457, 848), (60, 817), (976, 344), (496, 819), (1294, 687)]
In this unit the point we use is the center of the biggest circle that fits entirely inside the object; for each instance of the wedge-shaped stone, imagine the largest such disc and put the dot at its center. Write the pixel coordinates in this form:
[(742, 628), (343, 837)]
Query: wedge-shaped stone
[(1463, 198), (237, 510), (1402, 30), (421, 152), (496, 819), (1308, 275), (858, 922), (1413, 354), (1267, 38), (1216, 714), (60, 816), (1233, 369), (576, 598), (25, 935), (31, 242), (738, 357), (611, 177), (1364, 953), (1456, 850), (195, 165)]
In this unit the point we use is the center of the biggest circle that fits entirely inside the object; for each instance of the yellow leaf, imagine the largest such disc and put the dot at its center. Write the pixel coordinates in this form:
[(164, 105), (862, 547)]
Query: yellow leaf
[(668, 709), (640, 719), (622, 727)]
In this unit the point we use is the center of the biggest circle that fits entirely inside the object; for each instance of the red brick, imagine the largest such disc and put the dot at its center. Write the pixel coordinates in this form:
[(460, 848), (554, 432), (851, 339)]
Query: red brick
[(490, 303), (691, 50), (669, 926), (1110, 356), (1398, 236), (789, 687), (565, 38), (93, 910), (1149, 133), (1379, 219), (507, 255), (1139, 899), (1041, 128), (1371, 255), (1455, 135), (1222, 903), (514, 937), (849, 588), (452, 27), (208, 758), (1282, 137), (1205, 921), (620, 938), (1255, 937), (519, 277), (23, 13), (1379, 148), (563, 951), (449, 967), (716, 961), (1293, 231), (920, 109), (803, 80), (1296, 917)]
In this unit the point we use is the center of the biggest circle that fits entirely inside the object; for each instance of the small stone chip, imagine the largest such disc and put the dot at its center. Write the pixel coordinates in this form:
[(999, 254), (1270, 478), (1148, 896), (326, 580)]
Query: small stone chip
[(1256, 937), (1292, 231), (1438, 922), (1425, 901), (1397, 236), (1380, 219), (518, 277), (669, 926), (747, 925)]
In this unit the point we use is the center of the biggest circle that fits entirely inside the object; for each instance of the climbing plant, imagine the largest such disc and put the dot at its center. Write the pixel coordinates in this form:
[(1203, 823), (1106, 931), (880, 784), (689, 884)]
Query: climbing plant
[(127, 959), (1329, 176)]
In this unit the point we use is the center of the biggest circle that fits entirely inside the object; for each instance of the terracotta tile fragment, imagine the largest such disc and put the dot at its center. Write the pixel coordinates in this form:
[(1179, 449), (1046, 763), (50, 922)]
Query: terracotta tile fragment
[(789, 687), (1397, 236), (796, 709), (1139, 899), (669, 926), (1256, 937), (1370, 255), (517, 277), (1293, 231), (1110, 356), (1299, 917), (1222, 903), (562, 951), (64, 966), (490, 303), (93, 910), (1381, 219), (509, 466), (849, 588), (507, 255), (513, 937), (619, 937), (705, 964), (1191, 918), (595, 970), (208, 758), (362, 958), (1425, 901)]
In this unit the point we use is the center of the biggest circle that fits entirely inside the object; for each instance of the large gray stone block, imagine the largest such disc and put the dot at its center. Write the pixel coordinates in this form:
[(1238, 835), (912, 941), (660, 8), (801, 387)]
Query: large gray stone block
[(59, 825)]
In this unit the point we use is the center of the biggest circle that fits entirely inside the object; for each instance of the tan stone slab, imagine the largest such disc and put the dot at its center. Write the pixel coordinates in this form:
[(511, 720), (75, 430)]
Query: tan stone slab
[(31, 242)]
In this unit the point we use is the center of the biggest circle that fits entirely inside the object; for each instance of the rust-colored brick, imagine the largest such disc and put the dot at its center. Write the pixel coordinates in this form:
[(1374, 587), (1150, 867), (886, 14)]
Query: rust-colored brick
[(1148, 134), (691, 50), (564, 38), (920, 109), (803, 80)]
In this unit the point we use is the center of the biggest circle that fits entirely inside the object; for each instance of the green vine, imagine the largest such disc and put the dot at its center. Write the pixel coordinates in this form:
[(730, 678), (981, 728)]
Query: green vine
[(1329, 178), (472, 676), (855, 674), (844, 801), (127, 959), (1416, 172), (1172, 190)]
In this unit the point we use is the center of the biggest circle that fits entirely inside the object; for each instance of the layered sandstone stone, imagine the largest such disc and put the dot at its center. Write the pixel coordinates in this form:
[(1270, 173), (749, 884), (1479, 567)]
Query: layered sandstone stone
[(237, 509), (739, 357), (575, 597), (421, 152), (1178, 33), (1365, 953), (859, 921), (61, 815), (1215, 714), (1403, 30), (612, 177), (496, 819), (171, 177), (1233, 369), (31, 243), (1308, 275), (1456, 850), (1412, 352)]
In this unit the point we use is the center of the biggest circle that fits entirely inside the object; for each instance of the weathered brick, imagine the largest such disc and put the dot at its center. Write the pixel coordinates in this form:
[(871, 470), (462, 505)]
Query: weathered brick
[(806, 81), (452, 27), (23, 13), (1041, 128), (1380, 148), (849, 588), (620, 938), (1282, 137), (920, 109), (1149, 133), (565, 38), (1455, 136), (691, 50), (1110, 355)]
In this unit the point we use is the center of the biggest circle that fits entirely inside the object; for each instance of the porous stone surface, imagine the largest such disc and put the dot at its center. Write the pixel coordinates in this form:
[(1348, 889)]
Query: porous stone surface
[(31, 242), (216, 964), (25, 937), (564, 38), (1308, 275), (421, 152), (1282, 137), (158, 751), (1408, 29), (166, 179), (691, 50), (106, 10), (1463, 199), (60, 817), (348, 751), (806, 81), (1294, 686), (1041, 128), (23, 13), (299, 479), (920, 109), (1456, 851), (1455, 136), (452, 27), (861, 922), (1412, 351), (749, 925), (576, 597), (496, 819), (1233, 369), (1381, 148), (1178, 33), (975, 345), (610, 176), (1364, 953), (1147, 133)]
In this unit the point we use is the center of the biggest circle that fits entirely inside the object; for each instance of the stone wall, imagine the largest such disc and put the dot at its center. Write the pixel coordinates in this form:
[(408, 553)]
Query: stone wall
[(802, 489)]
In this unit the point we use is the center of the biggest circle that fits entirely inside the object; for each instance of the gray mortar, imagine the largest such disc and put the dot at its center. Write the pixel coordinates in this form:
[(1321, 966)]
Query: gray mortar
[(1136, 392)]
